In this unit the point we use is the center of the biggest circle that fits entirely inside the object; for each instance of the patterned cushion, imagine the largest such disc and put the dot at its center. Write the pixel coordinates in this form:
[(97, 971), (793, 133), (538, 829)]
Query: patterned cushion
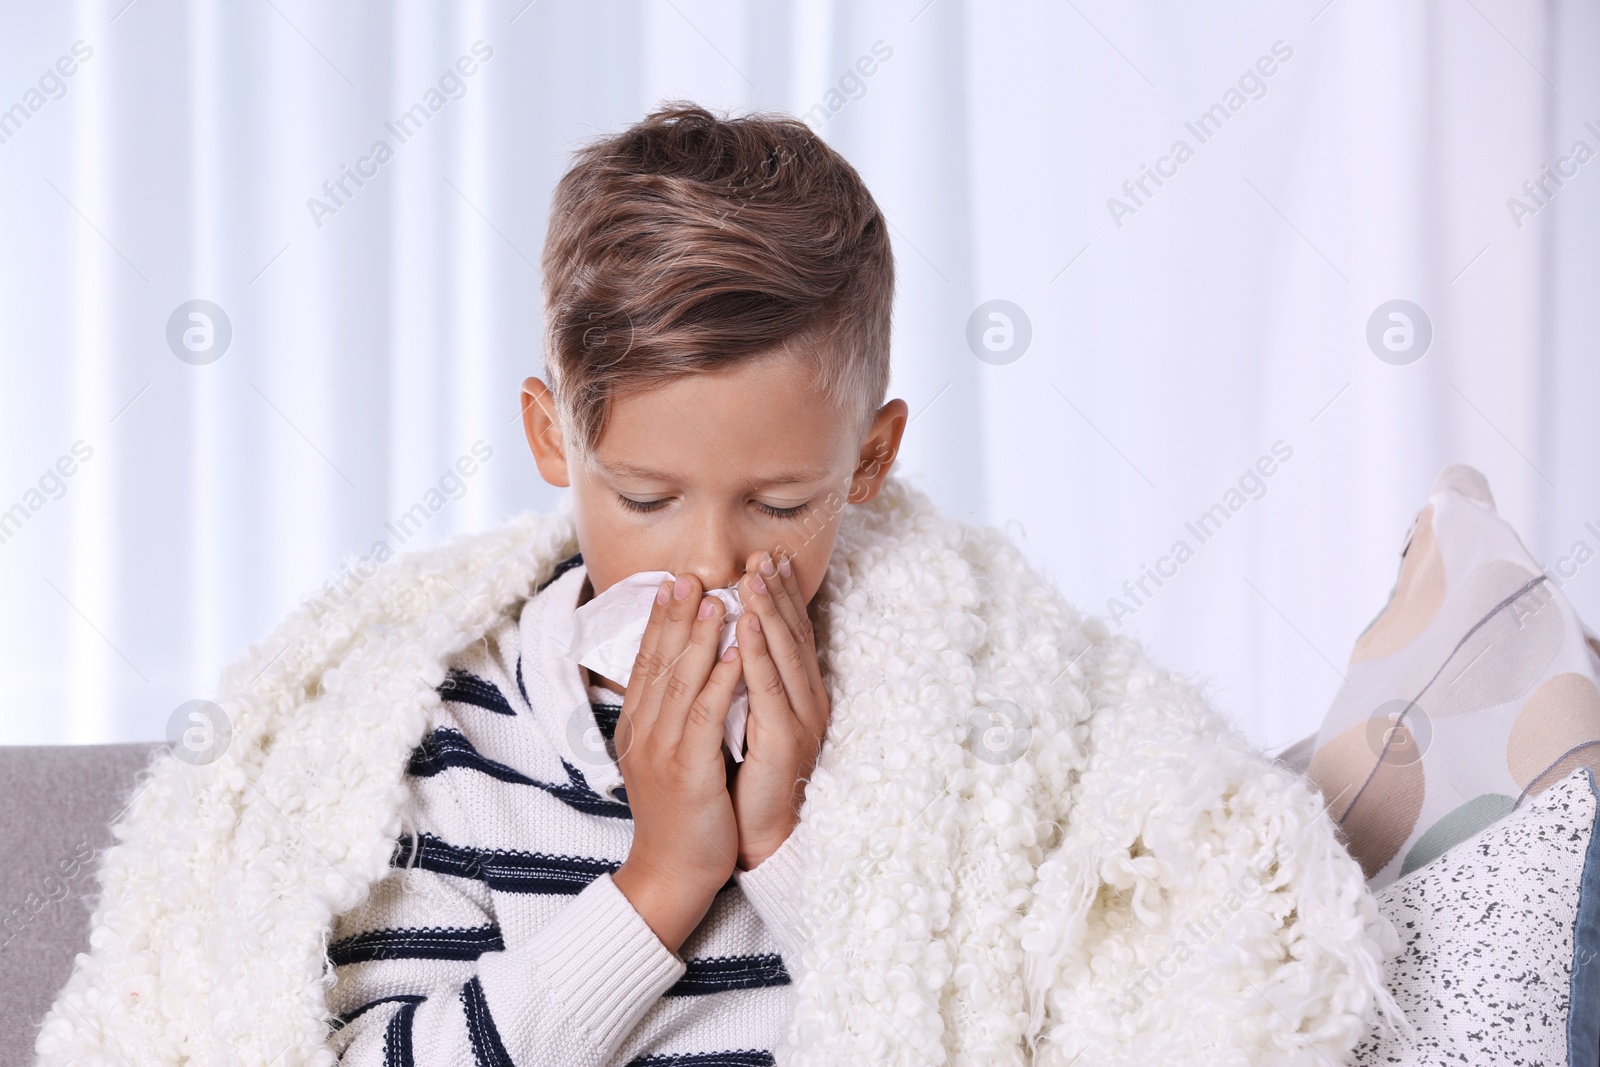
[(1473, 690), (1500, 957)]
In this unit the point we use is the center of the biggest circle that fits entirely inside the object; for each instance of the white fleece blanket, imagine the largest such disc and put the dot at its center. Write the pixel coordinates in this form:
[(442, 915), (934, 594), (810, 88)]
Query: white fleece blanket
[(1027, 843)]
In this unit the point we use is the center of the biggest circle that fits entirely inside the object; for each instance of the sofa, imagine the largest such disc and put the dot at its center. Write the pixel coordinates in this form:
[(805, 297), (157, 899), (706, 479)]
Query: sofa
[(57, 804)]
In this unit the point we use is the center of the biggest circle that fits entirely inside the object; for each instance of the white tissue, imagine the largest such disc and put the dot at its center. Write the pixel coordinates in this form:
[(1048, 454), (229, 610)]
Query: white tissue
[(605, 634)]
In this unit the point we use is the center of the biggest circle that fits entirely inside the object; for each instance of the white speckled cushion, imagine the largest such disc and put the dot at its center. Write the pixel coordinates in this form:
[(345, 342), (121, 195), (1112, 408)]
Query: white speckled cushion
[(1500, 958)]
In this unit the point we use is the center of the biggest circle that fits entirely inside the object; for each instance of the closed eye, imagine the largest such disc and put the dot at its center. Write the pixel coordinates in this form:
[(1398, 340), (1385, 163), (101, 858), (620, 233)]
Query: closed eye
[(647, 506), (782, 513), (640, 505)]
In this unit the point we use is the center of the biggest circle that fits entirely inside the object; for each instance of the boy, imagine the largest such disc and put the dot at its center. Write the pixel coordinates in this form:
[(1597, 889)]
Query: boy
[(432, 838), (718, 300)]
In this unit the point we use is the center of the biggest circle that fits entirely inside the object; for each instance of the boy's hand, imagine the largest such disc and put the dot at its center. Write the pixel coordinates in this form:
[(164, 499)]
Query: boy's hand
[(669, 745), (789, 708)]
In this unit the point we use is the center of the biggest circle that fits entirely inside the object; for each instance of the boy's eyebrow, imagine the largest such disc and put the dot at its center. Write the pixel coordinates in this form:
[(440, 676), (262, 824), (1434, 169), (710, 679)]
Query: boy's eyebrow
[(625, 469)]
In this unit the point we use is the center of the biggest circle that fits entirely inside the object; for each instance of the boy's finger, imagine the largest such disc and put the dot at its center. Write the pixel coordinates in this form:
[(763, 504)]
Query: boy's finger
[(782, 646), (761, 675), (672, 636), (658, 611), (779, 593), (704, 724), (791, 582), (642, 700), (682, 682), (791, 587)]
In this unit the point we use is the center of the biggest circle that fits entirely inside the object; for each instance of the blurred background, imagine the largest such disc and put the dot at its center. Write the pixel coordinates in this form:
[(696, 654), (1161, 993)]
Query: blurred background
[(1146, 253)]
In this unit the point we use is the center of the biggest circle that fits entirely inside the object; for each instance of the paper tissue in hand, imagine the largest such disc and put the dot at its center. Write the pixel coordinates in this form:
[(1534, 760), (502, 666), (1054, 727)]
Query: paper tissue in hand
[(605, 635)]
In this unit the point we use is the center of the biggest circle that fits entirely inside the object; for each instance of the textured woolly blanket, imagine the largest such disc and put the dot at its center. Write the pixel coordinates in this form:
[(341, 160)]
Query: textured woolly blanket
[(1025, 842)]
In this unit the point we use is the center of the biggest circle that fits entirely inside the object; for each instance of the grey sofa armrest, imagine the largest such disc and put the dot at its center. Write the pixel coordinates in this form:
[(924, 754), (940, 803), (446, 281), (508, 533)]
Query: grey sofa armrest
[(57, 804)]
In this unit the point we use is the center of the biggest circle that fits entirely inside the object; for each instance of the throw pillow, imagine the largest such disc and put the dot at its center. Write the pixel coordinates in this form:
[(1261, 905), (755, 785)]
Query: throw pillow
[(1500, 942), (1474, 690)]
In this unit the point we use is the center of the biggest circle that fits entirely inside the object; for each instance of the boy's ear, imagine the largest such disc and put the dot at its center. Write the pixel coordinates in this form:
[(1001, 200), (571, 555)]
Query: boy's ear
[(882, 444), (539, 422)]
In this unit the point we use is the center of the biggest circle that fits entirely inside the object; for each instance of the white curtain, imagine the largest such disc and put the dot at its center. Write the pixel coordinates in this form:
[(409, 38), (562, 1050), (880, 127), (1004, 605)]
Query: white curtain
[(1190, 312)]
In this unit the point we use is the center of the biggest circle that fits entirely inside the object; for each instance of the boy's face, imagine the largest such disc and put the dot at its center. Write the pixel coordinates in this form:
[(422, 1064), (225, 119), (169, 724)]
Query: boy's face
[(712, 455)]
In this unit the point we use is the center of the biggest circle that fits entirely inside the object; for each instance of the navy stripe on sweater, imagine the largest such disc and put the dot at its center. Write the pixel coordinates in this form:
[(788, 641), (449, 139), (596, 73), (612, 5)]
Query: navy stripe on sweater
[(520, 687), (449, 747), (606, 717), (487, 1048), (738, 1058), (507, 871), (430, 943), (717, 974), (561, 568), (344, 1019), (464, 687), (510, 871), (397, 1038)]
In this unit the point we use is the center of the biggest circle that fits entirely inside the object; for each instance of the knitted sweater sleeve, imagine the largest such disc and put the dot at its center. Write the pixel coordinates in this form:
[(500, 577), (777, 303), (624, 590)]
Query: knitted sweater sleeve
[(772, 887), (428, 979)]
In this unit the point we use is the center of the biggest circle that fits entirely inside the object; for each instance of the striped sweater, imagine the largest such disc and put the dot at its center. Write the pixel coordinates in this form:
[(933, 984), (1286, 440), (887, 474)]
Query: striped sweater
[(498, 936)]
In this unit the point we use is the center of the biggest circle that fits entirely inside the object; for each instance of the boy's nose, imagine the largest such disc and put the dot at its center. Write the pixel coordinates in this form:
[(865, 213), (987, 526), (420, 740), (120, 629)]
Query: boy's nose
[(714, 577), (716, 554), (708, 584)]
